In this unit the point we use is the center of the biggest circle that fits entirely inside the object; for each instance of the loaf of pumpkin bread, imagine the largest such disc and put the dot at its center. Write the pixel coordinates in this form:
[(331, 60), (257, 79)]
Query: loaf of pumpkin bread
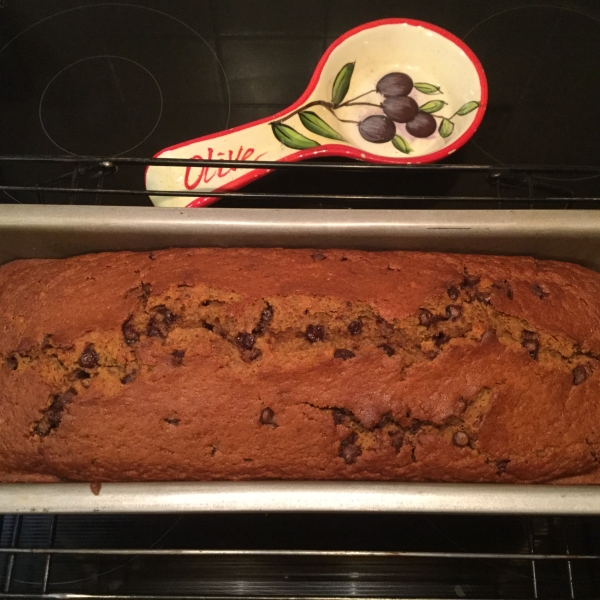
[(199, 364)]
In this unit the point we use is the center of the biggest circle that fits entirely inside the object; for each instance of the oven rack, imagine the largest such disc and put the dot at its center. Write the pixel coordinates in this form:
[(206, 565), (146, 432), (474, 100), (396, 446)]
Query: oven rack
[(85, 179), (74, 557), (185, 556)]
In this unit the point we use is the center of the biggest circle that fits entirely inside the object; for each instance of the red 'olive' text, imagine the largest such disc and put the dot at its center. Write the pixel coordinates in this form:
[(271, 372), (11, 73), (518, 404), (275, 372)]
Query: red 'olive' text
[(206, 174)]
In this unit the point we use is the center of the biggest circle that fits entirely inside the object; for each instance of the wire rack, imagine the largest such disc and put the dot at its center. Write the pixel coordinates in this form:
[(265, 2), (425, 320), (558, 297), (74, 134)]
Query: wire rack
[(314, 556), (266, 556), (119, 180)]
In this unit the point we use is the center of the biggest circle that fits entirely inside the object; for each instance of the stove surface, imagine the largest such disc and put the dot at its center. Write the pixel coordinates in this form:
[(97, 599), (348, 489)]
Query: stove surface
[(131, 78)]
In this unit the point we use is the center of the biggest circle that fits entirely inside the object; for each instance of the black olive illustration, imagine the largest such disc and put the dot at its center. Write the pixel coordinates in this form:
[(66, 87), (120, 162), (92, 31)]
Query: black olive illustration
[(401, 109), (377, 129), (422, 126), (395, 84)]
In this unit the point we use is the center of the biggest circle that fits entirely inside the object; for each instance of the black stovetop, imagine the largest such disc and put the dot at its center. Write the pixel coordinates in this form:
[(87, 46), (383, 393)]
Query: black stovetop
[(131, 78)]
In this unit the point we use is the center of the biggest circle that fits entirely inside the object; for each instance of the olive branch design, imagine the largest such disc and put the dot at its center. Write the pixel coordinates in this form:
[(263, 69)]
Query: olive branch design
[(397, 107)]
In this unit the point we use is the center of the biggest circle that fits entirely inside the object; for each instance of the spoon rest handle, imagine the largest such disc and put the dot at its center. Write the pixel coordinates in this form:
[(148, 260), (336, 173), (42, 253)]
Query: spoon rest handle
[(252, 143)]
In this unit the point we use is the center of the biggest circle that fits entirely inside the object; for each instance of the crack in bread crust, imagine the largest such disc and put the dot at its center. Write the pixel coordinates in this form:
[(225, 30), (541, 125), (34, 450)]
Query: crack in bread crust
[(441, 323)]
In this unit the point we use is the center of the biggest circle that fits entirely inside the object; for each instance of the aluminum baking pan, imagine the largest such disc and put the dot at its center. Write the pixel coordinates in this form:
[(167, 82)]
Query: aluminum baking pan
[(59, 231), (279, 496)]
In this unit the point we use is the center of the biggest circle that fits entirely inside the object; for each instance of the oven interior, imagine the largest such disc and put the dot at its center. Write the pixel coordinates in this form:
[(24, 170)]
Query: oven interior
[(318, 555)]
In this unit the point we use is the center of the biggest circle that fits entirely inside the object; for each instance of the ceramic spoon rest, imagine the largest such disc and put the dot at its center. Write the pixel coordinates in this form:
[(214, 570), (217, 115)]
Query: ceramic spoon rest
[(392, 91)]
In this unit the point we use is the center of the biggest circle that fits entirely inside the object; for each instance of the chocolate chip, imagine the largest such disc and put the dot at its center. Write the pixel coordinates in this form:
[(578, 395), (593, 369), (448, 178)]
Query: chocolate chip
[(343, 354), (206, 302), (501, 465), (52, 416), (208, 326), (505, 287), (340, 415), (387, 349), (318, 256), (129, 377), (153, 329), (81, 374), (453, 312), (579, 374), (46, 343), (12, 362), (397, 439), (151, 256), (440, 339), (343, 259), (167, 316), (531, 343), (173, 421), (349, 451), (425, 317), (355, 327), (470, 281), (539, 291), (453, 292), (267, 417), (266, 316), (245, 340), (460, 439), (177, 357), (482, 297), (129, 332), (315, 333), (89, 357)]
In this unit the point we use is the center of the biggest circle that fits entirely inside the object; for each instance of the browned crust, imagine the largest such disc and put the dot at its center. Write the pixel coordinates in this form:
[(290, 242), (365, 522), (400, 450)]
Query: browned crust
[(201, 364)]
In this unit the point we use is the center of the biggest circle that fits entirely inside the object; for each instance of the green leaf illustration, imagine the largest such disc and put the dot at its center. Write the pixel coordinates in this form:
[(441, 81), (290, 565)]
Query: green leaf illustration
[(401, 144), (446, 128), (428, 88), (433, 106), (314, 123), (342, 83), (465, 109), (289, 137)]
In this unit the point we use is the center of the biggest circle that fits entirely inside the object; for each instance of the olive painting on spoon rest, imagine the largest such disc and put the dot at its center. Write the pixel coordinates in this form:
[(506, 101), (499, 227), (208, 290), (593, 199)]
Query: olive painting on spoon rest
[(392, 91)]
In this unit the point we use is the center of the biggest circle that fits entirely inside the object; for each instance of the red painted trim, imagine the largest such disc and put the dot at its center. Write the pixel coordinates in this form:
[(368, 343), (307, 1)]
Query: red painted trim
[(338, 149)]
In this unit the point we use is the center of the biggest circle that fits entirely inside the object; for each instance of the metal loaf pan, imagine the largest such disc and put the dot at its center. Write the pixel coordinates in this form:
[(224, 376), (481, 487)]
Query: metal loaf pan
[(60, 231)]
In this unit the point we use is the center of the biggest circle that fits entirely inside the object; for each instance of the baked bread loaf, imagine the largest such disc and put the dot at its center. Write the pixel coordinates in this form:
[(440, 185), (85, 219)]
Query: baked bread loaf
[(197, 364)]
